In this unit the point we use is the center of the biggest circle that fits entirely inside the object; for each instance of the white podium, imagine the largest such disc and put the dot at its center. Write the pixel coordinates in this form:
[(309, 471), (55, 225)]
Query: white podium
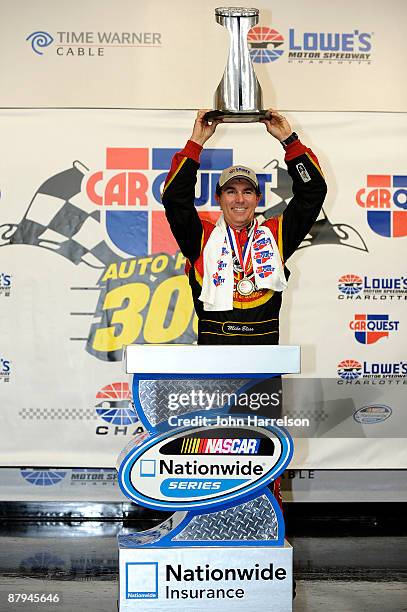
[(224, 545)]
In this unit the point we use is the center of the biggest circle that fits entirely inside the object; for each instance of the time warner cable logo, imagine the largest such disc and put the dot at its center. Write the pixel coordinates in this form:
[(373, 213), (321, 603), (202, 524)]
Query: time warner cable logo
[(40, 40), (90, 44)]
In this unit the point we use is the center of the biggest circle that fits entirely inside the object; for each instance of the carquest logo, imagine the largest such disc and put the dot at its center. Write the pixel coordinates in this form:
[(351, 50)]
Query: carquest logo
[(385, 201), (375, 413), (165, 473), (369, 328), (128, 194)]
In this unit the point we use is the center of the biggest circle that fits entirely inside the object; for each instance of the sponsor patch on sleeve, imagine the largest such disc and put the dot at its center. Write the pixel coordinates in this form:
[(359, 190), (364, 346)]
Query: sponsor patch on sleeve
[(302, 171)]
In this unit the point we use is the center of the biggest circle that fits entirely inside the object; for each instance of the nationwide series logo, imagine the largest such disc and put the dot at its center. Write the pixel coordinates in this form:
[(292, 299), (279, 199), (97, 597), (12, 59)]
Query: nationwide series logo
[(375, 413), (369, 328), (158, 474), (355, 287), (267, 45), (5, 369), (90, 44), (385, 201), (5, 284), (351, 371)]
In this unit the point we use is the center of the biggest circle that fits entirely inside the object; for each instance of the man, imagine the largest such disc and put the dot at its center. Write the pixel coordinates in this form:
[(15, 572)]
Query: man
[(236, 267)]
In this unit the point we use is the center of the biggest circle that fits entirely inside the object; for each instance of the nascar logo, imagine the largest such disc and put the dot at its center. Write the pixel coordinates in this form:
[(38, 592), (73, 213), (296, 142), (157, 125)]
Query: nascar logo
[(369, 328), (385, 197), (213, 446)]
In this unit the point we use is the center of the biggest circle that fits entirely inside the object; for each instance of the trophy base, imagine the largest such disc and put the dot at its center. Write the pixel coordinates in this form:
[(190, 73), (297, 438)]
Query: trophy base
[(162, 575), (237, 116)]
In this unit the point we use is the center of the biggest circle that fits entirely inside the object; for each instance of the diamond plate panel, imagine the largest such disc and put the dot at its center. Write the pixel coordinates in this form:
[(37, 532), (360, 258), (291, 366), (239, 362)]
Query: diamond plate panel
[(154, 395), (151, 535), (252, 520)]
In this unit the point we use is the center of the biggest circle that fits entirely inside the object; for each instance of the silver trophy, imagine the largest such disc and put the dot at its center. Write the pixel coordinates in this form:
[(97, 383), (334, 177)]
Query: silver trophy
[(238, 98)]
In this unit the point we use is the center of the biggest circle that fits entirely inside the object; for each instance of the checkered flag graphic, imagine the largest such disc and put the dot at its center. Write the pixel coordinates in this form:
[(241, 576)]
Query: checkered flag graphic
[(61, 219)]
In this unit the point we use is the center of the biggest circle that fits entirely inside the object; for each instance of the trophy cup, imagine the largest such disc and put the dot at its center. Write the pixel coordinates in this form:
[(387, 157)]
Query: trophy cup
[(238, 98)]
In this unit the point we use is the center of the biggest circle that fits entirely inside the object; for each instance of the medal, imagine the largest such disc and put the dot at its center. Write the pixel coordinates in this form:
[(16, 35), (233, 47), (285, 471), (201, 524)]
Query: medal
[(245, 286), (241, 260)]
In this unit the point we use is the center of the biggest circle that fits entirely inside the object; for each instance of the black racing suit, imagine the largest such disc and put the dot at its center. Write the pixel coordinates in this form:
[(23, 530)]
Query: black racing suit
[(254, 318)]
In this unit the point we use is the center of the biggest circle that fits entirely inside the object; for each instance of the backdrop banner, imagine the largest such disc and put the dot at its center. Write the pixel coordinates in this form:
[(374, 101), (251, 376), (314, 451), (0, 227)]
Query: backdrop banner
[(88, 264), (131, 54)]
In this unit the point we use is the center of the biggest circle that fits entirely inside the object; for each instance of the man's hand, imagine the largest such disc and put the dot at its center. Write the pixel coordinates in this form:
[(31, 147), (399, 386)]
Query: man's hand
[(277, 125), (202, 129)]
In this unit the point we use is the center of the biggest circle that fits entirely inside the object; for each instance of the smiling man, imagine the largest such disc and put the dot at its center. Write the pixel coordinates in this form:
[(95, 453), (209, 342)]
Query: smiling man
[(236, 267)]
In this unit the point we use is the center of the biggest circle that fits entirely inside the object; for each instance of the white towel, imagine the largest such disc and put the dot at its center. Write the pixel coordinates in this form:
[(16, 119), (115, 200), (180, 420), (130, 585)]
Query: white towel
[(218, 278)]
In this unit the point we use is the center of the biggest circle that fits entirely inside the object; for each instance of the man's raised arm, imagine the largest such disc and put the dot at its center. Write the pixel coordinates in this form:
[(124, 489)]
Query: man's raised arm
[(179, 189)]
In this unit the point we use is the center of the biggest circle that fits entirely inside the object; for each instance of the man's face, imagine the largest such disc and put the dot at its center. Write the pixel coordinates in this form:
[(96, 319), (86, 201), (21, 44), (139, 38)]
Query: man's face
[(238, 201)]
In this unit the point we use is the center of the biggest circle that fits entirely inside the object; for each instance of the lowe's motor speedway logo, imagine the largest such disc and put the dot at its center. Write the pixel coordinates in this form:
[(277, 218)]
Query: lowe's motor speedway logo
[(351, 370), (268, 45), (5, 369), (204, 467), (355, 287), (385, 201), (5, 284), (369, 328)]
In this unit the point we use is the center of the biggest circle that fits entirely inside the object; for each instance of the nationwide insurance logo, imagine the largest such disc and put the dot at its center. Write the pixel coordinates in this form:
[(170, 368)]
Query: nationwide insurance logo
[(268, 45), (89, 44)]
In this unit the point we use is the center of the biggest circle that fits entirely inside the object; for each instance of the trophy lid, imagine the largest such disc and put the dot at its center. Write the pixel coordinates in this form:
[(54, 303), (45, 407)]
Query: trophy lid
[(236, 11)]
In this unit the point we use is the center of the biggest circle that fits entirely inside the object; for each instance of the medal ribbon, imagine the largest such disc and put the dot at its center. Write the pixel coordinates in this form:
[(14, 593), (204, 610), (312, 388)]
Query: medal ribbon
[(236, 247)]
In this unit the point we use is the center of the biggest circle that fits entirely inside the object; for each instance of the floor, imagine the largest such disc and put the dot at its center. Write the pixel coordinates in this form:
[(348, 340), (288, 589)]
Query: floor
[(78, 562)]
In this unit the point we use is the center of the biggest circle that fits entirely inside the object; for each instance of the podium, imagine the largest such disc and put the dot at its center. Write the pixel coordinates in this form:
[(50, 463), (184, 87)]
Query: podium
[(209, 456)]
